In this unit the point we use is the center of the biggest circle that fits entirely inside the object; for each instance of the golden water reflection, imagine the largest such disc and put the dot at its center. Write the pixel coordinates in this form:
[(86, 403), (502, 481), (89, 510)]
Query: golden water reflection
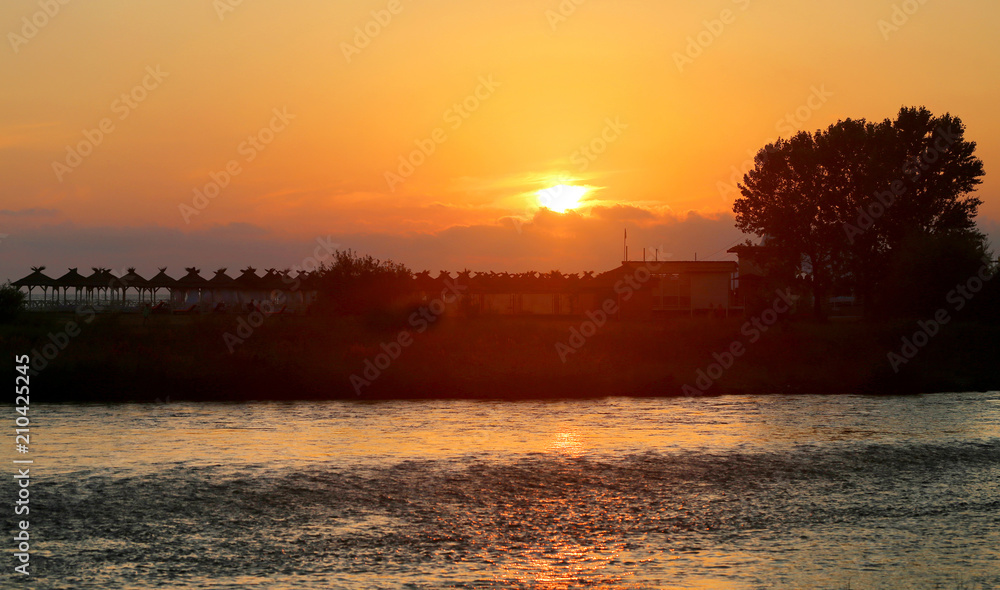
[(348, 433), (566, 443)]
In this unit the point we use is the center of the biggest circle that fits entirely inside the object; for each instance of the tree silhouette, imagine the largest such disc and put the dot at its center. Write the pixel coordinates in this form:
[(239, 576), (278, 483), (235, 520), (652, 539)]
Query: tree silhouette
[(835, 204), (355, 284)]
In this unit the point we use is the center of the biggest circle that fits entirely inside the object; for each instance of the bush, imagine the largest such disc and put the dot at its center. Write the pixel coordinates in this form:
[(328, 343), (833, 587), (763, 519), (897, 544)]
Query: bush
[(11, 302), (360, 285)]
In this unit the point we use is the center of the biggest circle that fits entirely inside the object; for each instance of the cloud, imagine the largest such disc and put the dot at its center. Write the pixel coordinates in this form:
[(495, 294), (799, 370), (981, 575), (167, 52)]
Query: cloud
[(31, 212), (622, 213)]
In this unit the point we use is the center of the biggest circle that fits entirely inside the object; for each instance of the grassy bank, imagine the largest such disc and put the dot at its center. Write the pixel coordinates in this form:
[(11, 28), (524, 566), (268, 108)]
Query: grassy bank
[(122, 358)]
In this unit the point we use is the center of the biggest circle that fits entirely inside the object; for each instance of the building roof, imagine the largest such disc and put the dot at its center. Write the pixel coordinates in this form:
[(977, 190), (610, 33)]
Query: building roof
[(679, 266)]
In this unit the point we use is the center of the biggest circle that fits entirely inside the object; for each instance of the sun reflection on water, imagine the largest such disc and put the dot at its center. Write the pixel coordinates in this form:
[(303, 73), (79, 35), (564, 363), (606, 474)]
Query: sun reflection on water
[(566, 443)]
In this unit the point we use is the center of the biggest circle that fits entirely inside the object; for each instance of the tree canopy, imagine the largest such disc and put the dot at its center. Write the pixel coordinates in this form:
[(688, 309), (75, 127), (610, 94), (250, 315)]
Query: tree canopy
[(355, 284), (838, 204)]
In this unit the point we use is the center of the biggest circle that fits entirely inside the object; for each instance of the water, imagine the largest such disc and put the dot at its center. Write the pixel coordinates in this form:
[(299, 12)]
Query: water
[(728, 492)]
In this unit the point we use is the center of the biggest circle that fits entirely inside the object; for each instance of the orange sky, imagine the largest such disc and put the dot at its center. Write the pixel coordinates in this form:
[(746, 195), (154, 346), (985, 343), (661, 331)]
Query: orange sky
[(508, 95)]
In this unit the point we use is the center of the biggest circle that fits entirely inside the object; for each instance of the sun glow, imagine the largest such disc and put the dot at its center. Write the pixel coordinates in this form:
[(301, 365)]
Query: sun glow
[(561, 197)]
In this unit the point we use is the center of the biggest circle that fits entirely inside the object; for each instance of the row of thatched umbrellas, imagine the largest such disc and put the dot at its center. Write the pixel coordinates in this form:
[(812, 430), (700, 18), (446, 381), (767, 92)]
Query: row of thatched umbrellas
[(103, 284), (103, 281)]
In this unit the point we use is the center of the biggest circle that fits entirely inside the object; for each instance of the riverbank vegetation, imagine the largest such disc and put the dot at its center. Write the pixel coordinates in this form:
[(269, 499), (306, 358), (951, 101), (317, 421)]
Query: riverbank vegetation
[(115, 358)]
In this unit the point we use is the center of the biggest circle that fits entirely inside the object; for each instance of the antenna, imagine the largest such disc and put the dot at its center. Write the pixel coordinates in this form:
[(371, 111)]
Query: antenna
[(625, 245)]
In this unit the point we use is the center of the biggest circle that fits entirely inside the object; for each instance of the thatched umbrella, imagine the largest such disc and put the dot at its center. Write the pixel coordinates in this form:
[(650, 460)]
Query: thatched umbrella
[(37, 279), (248, 277), (223, 288), (308, 287), (71, 279), (272, 281), (131, 280), (249, 286), (160, 281), (96, 281), (192, 283)]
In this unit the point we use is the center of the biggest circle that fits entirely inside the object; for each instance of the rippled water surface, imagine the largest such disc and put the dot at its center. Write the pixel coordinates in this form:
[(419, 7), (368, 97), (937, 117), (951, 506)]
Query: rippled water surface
[(728, 492)]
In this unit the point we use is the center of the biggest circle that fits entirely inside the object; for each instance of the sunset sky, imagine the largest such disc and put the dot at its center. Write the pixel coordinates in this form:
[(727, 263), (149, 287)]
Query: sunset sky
[(652, 106)]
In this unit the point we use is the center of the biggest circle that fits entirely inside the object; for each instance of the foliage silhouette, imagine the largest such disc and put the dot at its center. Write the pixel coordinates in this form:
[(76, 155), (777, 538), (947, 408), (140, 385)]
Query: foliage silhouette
[(838, 204), (11, 302), (355, 285)]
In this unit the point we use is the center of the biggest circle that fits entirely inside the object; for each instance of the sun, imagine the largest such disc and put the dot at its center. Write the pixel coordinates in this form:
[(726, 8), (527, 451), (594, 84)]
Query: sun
[(561, 197)]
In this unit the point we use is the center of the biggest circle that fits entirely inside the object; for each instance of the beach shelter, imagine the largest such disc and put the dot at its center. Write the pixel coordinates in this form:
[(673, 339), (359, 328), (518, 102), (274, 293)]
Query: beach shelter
[(130, 280), (38, 279), (190, 287), (161, 281), (249, 287), (272, 282), (222, 288), (299, 291), (98, 280), (74, 280)]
